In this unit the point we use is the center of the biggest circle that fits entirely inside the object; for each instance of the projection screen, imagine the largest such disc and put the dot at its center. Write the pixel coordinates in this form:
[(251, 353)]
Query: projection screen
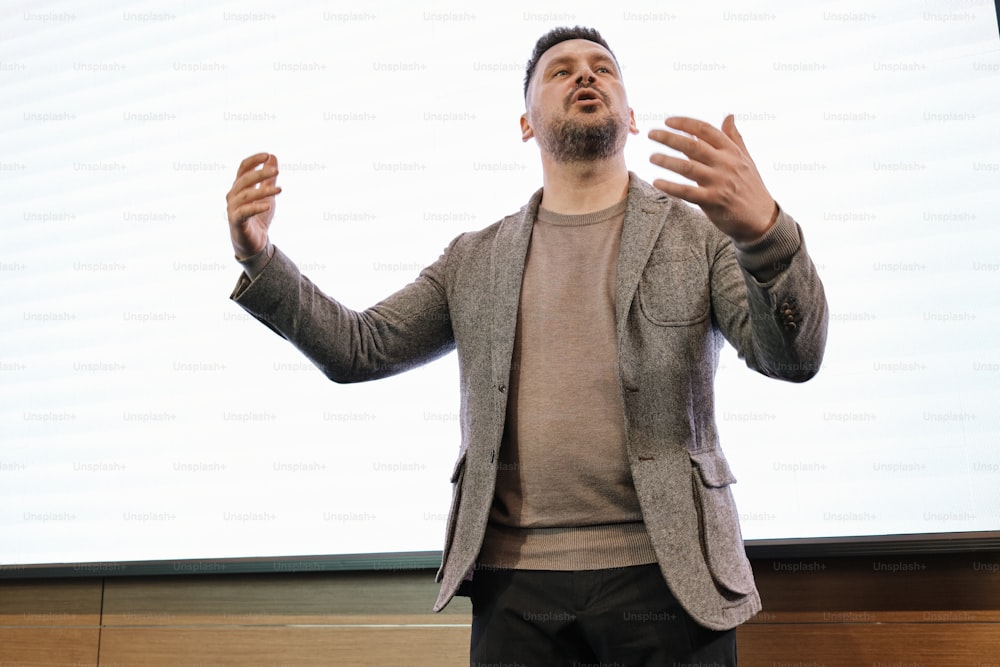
[(146, 420)]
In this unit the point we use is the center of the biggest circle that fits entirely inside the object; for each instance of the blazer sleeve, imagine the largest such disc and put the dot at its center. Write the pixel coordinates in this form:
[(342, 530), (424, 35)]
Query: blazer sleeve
[(773, 311), (405, 330)]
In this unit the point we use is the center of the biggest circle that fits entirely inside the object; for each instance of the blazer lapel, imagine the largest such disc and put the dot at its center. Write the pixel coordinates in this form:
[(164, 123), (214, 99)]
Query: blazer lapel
[(510, 250), (644, 219)]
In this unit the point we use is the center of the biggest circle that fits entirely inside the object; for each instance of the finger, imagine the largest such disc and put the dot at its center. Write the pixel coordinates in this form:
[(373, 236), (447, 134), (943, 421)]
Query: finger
[(690, 193), (240, 208), (270, 165), (689, 169), (700, 129), (251, 179), (252, 162), (694, 149), (248, 195), (240, 216)]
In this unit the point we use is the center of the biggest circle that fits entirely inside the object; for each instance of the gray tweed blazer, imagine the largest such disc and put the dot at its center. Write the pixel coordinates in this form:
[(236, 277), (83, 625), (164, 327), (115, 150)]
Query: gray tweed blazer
[(682, 289)]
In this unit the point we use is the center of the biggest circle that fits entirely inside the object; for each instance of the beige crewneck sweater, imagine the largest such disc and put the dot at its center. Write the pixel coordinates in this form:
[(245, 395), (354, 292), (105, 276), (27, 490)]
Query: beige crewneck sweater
[(564, 498)]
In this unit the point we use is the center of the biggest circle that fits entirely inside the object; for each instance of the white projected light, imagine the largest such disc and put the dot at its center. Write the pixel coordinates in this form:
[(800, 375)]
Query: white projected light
[(145, 417)]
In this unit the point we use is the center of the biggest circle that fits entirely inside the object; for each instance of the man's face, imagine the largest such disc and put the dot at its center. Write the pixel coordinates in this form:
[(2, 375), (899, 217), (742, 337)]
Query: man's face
[(577, 109)]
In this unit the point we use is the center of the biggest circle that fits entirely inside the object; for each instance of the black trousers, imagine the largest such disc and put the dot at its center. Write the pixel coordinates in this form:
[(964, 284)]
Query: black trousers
[(622, 617)]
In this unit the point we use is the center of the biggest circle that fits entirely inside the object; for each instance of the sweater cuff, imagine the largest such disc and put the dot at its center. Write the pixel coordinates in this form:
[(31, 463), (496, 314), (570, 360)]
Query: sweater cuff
[(771, 254), (255, 264)]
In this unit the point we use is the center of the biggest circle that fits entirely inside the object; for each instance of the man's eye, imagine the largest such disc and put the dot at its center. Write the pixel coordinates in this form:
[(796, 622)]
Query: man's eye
[(561, 72), (605, 70)]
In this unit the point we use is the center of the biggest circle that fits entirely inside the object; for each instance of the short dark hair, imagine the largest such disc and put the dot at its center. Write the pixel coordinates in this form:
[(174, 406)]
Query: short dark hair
[(555, 36)]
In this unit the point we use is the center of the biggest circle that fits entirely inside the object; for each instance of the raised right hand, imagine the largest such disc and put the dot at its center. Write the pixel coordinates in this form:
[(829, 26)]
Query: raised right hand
[(250, 204)]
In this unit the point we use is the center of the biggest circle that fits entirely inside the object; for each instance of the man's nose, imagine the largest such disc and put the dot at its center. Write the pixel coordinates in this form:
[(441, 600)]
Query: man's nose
[(585, 76)]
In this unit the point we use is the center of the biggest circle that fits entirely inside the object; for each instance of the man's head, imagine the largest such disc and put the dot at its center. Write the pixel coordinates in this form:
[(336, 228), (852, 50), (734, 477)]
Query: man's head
[(575, 101)]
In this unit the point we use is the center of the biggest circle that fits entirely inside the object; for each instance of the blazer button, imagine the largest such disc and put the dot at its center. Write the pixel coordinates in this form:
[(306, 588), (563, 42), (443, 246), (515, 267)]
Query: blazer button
[(502, 388)]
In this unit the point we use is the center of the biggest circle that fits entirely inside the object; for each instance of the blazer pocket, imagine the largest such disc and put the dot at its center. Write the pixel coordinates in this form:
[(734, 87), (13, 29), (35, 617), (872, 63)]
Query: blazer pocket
[(457, 478), (674, 289), (721, 539)]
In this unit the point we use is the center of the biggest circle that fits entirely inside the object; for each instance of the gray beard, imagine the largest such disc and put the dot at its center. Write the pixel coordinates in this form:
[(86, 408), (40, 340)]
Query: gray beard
[(568, 141)]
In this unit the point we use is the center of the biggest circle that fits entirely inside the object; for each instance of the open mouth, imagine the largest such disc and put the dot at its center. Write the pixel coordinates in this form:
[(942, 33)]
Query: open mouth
[(586, 96)]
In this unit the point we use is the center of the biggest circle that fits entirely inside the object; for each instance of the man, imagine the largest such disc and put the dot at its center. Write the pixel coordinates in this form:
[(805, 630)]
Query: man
[(592, 520)]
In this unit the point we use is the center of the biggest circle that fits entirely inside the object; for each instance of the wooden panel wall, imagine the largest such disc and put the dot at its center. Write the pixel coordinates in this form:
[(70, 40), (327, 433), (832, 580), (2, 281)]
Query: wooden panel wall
[(369, 619), (54, 622), (907, 611), (899, 611)]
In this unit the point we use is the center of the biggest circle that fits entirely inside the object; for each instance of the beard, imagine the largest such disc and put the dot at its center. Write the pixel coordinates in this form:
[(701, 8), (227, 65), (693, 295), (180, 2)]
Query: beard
[(575, 140)]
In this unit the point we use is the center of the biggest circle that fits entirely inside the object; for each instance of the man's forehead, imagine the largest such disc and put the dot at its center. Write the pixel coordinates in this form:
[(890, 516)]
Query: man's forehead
[(574, 47)]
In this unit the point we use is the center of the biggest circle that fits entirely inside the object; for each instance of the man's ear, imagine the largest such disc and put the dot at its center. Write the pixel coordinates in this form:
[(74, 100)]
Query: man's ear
[(526, 131), (632, 127)]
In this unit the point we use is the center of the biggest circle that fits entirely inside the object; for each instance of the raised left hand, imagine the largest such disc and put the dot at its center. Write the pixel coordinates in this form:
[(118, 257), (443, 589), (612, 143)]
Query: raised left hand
[(729, 188)]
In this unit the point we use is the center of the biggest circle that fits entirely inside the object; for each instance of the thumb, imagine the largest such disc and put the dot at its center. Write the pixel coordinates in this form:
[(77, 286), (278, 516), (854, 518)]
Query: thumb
[(729, 129), (271, 161)]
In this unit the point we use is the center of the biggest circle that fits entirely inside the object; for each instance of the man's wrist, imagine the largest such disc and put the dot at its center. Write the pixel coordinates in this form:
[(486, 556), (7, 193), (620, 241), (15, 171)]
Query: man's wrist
[(770, 254), (255, 264), (753, 238)]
